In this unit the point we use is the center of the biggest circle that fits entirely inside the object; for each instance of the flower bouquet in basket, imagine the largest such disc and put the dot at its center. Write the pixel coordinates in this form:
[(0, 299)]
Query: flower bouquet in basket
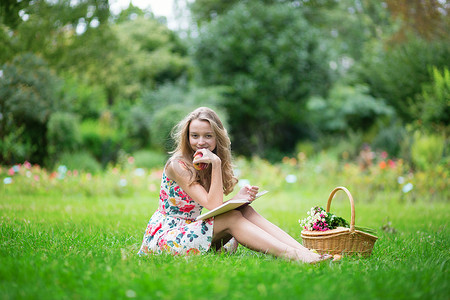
[(327, 233)]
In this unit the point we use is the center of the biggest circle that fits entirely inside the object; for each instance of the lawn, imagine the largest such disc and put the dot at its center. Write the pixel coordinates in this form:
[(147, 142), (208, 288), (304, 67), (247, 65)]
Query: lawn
[(77, 239)]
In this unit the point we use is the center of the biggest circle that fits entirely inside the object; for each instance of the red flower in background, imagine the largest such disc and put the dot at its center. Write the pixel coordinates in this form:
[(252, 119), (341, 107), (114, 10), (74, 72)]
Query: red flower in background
[(391, 164)]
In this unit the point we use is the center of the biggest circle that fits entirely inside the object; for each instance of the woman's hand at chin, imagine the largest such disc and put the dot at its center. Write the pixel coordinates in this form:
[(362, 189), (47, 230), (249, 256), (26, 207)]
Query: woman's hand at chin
[(207, 157)]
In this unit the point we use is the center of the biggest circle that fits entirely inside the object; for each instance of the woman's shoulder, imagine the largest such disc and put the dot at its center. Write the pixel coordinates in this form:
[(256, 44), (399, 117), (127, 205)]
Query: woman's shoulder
[(176, 169)]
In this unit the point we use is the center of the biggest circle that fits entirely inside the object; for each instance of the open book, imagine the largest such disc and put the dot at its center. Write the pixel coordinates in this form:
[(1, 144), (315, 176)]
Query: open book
[(227, 206)]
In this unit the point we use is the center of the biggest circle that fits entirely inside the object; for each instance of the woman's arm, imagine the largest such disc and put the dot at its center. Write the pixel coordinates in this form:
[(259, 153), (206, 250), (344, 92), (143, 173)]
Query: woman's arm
[(178, 172)]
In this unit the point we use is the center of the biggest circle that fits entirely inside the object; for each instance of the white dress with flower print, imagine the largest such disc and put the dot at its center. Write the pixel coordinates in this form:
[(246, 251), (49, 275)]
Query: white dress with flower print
[(173, 228)]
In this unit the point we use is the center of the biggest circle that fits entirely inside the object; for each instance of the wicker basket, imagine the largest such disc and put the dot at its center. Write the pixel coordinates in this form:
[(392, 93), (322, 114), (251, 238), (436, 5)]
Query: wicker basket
[(340, 240)]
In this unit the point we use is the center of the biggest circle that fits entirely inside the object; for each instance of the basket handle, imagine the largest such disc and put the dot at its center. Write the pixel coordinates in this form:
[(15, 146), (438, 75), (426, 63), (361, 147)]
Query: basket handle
[(352, 204)]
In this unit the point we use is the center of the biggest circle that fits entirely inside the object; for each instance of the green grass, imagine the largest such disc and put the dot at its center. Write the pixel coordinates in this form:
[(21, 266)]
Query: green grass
[(73, 246)]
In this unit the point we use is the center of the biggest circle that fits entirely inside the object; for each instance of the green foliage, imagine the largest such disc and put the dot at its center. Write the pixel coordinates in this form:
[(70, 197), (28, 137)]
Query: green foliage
[(63, 133), (28, 96), (7, 48), (149, 159), (391, 138), (101, 138), (9, 11), (79, 160), (87, 101), (434, 102), (164, 121), (427, 150), (347, 108), (270, 58), (28, 90), (138, 125), (16, 146), (150, 55), (306, 147), (397, 73), (149, 122)]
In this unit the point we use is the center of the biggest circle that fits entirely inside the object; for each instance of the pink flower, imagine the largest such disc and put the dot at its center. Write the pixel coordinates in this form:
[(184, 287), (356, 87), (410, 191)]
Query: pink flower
[(384, 155), (11, 172), (391, 164), (27, 165)]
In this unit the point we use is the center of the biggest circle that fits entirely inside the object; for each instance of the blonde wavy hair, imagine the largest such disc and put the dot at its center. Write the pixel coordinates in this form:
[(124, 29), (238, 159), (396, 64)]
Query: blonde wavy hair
[(185, 153)]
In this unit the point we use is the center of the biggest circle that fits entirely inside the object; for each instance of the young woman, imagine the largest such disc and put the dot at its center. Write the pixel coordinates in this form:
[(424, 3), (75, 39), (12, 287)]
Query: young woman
[(186, 190)]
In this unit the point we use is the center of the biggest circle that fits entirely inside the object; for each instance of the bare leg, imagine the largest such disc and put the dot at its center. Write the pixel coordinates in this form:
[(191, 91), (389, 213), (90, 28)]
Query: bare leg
[(249, 213), (250, 235)]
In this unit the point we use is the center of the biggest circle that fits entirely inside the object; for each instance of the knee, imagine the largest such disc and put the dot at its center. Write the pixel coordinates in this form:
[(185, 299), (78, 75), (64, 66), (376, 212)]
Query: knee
[(231, 218), (225, 222), (233, 215), (248, 211)]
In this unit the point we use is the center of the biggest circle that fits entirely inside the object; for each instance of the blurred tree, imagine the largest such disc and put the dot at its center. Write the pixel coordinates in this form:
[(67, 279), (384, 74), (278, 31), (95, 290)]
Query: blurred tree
[(205, 10), (28, 96), (433, 104), (427, 19), (347, 25), (397, 73), (71, 37), (150, 55), (143, 122), (271, 59), (77, 39), (10, 11), (63, 134), (87, 101), (131, 13), (347, 108)]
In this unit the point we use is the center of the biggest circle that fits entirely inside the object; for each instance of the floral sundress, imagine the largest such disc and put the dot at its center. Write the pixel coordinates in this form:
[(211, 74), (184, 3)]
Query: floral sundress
[(173, 228)]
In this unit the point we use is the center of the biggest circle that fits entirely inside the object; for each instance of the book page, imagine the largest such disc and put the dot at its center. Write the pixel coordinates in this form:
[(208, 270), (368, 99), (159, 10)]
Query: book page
[(227, 206)]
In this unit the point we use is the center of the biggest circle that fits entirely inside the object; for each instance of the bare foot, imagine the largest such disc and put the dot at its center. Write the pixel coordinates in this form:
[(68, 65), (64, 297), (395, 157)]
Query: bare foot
[(310, 257)]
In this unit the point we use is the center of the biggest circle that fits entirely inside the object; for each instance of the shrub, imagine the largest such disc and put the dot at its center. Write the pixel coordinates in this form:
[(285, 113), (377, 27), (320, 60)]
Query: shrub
[(390, 139), (63, 133), (138, 124), (347, 108), (87, 101), (434, 102), (398, 73), (16, 147), (162, 108), (162, 124), (101, 139), (81, 161), (149, 159), (427, 150), (28, 96)]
